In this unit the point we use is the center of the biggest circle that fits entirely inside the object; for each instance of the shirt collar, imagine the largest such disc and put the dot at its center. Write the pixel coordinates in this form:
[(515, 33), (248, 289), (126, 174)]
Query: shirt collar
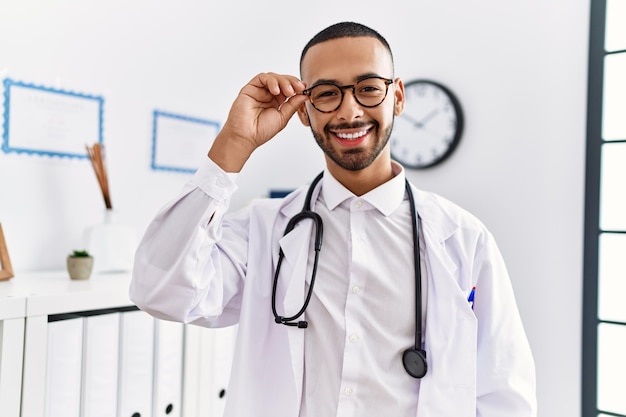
[(386, 198)]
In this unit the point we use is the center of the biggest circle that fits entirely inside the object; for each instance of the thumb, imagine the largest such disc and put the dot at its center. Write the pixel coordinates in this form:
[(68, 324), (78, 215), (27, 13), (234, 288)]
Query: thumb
[(291, 105)]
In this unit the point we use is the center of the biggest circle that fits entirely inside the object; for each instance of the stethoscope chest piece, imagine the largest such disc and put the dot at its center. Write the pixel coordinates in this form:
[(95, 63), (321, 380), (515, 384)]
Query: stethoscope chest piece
[(414, 361)]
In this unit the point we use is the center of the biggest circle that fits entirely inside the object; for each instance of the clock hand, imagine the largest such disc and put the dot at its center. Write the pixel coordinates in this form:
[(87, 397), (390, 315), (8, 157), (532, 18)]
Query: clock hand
[(421, 123), (427, 130), (412, 120), (429, 116)]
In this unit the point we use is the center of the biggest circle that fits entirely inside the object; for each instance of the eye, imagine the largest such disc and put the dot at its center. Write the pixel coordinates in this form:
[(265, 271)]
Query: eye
[(369, 89), (325, 92)]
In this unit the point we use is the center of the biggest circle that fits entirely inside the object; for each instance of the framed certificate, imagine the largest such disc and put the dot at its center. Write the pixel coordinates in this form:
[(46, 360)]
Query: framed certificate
[(48, 121), (180, 143)]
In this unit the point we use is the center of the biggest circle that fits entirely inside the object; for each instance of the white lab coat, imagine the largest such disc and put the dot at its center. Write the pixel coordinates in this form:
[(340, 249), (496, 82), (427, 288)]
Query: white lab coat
[(479, 361)]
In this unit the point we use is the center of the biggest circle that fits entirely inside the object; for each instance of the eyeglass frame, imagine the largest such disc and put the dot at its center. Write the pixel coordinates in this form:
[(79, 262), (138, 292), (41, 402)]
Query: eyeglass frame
[(341, 88)]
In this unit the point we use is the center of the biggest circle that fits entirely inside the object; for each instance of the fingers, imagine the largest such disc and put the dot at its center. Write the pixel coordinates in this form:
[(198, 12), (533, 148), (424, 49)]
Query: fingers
[(286, 100), (277, 87), (281, 84), (261, 110)]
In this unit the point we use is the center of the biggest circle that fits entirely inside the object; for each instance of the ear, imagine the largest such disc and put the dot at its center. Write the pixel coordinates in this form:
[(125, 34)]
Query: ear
[(398, 92), (304, 115)]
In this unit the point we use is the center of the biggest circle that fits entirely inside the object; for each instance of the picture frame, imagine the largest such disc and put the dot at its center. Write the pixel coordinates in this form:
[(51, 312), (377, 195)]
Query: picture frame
[(179, 142), (6, 270), (40, 120)]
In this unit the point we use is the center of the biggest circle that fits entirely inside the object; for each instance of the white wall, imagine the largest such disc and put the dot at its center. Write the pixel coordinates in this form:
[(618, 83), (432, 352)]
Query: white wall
[(518, 68)]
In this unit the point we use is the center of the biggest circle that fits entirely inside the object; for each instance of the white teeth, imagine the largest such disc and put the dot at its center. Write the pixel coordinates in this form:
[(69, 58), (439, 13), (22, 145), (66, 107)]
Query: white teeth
[(352, 135)]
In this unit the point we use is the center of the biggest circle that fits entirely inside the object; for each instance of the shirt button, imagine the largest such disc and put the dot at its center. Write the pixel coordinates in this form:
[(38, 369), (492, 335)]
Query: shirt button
[(356, 289), (347, 391), (358, 204), (354, 338)]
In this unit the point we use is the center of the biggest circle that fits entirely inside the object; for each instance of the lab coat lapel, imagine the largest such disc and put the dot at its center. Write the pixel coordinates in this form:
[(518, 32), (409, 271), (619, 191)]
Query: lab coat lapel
[(450, 339), (295, 246)]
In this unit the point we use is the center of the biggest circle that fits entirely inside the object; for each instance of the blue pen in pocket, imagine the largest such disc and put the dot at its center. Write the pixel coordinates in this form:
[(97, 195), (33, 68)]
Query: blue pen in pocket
[(470, 298)]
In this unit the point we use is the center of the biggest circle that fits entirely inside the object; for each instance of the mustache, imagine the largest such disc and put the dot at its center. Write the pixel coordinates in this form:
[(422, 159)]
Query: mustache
[(357, 125)]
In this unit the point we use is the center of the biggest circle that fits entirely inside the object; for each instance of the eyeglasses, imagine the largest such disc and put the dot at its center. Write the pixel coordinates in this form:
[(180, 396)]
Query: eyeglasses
[(369, 92)]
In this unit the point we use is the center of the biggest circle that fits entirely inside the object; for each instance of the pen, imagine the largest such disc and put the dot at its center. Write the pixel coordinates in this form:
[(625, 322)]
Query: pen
[(470, 298)]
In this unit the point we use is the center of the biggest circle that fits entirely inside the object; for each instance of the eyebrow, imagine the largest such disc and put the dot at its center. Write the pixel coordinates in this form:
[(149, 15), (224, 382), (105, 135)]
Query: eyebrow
[(356, 79)]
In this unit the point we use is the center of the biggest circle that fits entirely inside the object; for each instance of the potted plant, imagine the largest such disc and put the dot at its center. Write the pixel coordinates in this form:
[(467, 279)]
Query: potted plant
[(79, 264)]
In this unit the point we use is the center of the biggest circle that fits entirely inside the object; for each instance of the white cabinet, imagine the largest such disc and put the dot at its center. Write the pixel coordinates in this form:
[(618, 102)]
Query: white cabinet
[(39, 312), (12, 313)]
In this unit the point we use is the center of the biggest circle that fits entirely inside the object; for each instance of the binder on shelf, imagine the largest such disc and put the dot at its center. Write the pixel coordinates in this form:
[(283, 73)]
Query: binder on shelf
[(11, 361), (64, 367), (223, 346), (101, 335), (168, 369), (136, 364)]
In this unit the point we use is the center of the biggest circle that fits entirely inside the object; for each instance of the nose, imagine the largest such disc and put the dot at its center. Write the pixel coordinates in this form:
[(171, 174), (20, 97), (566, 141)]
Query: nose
[(349, 109)]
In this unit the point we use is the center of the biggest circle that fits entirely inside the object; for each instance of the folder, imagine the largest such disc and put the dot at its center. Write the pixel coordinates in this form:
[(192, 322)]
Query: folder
[(64, 366), (11, 364), (168, 369), (223, 341), (136, 364), (100, 365)]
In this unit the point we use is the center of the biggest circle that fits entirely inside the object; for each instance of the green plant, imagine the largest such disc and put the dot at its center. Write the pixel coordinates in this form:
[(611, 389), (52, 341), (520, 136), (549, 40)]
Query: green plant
[(80, 254)]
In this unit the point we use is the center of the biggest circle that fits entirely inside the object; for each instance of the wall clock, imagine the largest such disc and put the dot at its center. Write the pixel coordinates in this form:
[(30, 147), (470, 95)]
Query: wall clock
[(430, 128)]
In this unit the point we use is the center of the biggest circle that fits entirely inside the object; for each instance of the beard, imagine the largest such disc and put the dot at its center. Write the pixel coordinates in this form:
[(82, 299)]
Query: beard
[(353, 159)]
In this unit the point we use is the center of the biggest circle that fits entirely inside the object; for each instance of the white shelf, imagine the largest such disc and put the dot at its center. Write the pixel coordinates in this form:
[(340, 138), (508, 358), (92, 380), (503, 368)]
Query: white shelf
[(54, 292), (12, 307), (26, 302)]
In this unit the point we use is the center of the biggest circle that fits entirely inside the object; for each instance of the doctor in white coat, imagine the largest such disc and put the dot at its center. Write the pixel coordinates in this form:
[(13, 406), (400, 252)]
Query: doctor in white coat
[(199, 263)]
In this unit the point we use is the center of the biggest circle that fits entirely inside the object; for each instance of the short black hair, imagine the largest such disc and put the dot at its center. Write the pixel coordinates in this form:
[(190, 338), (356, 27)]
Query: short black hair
[(344, 30)]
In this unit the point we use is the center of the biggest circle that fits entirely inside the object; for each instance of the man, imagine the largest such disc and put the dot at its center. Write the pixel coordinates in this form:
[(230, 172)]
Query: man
[(343, 356)]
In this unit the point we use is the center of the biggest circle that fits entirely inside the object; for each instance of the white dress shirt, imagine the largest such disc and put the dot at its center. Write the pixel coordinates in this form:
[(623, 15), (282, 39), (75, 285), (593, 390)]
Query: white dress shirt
[(362, 312)]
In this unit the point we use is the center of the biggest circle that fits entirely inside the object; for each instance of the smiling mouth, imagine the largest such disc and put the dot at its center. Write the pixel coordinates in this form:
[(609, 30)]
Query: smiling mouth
[(351, 136), (351, 133)]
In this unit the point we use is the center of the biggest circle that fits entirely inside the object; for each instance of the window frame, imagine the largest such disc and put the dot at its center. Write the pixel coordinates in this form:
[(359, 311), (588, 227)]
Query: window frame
[(592, 229)]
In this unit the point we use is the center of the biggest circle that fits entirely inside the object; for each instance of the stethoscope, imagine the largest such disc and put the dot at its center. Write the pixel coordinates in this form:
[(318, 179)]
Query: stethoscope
[(414, 358)]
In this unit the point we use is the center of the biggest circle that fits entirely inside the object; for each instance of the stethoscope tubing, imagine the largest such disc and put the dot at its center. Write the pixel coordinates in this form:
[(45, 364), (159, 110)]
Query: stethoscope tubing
[(306, 213), (414, 359), (418, 269)]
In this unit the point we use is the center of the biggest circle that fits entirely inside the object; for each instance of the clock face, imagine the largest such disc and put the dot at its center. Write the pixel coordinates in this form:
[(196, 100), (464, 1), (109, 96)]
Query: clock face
[(430, 127)]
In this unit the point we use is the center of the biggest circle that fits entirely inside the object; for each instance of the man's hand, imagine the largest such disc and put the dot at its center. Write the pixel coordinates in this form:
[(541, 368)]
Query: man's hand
[(263, 108)]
